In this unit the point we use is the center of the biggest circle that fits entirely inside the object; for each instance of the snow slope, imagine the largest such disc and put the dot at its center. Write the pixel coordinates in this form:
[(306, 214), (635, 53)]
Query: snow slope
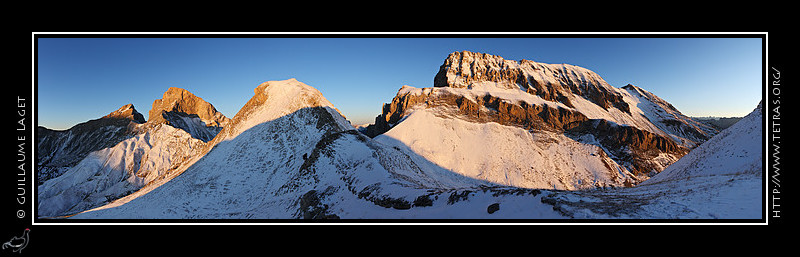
[(513, 156), (507, 155), (720, 179), (735, 150)]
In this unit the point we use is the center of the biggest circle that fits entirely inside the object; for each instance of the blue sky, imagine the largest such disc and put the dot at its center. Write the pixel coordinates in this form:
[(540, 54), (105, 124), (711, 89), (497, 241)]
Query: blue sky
[(85, 78)]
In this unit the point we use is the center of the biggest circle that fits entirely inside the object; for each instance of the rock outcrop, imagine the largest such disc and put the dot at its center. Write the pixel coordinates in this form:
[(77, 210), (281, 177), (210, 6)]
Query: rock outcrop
[(485, 108), (636, 147)]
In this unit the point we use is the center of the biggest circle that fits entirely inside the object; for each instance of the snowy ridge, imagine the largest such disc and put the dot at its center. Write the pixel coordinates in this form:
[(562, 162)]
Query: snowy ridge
[(684, 130)]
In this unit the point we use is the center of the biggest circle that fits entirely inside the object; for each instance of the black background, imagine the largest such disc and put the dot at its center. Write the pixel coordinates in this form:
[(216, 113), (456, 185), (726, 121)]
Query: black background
[(382, 238)]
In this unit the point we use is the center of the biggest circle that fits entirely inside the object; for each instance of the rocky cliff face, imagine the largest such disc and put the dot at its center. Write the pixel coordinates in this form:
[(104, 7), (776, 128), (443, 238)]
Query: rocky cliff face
[(477, 108), (57, 151), (561, 98), (552, 82), (182, 109)]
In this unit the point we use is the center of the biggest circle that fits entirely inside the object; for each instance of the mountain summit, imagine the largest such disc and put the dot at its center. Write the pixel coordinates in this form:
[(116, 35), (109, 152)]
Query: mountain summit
[(126, 112), (182, 109), (272, 100), (560, 83)]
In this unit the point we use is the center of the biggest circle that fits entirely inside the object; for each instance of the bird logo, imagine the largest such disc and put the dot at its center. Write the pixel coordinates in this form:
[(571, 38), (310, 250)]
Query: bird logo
[(18, 243)]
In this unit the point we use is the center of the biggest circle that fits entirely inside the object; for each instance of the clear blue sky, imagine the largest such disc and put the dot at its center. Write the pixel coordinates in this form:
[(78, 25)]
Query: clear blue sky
[(85, 78)]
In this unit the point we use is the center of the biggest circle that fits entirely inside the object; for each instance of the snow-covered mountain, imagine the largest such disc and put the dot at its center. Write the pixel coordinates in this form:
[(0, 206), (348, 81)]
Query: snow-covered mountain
[(151, 151), (537, 125), (59, 150)]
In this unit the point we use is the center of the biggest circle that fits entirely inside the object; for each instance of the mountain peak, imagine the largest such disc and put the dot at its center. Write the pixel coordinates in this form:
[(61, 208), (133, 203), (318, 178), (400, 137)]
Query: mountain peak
[(291, 94), (461, 69), (127, 112), (177, 93), (273, 100), (180, 100)]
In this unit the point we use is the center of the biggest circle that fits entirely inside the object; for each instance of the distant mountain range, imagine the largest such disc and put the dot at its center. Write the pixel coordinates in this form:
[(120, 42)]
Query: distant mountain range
[(493, 138), (719, 123)]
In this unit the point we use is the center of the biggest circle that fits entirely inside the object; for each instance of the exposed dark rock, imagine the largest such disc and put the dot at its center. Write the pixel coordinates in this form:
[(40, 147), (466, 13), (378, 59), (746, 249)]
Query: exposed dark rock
[(486, 108), (493, 208), (369, 193), (311, 206), (457, 196), (629, 144), (423, 200)]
